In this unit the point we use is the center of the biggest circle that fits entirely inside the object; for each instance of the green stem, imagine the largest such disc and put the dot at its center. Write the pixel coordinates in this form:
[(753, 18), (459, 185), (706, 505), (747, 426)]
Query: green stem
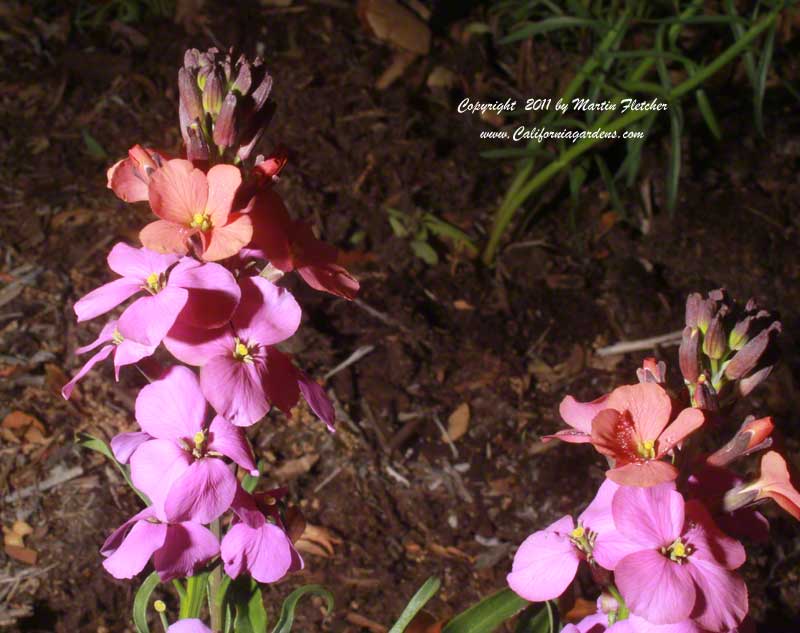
[(521, 193), (622, 609), (214, 586)]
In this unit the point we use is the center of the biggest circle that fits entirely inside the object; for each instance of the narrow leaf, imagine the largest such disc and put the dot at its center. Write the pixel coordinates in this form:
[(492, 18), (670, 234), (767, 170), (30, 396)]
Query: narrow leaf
[(419, 600), (488, 614), (99, 446), (708, 113), (425, 252), (760, 86), (142, 601), (546, 26), (286, 619)]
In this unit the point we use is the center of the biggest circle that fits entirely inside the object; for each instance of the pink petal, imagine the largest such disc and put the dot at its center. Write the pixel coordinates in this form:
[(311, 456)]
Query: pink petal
[(279, 380), (129, 352), (611, 547), (645, 474), (148, 319), (267, 314), (196, 346), (202, 492), (223, 182), (105, 298), (330, 278), (579, 415), (117, 536), (721, 595), (687, 422), (236, 548), (597, 516), (213, 293), (188, 625), (225, 241), (186, 548), (570, 436), (166, 237), (234, 389), (138, 263), (105, 352), (106, 334), (595, 623), (177, 191), (711, 543), (155, 465), (545, 564), (317, 399), (271, 228), (135, 550), (652, 517), (273, 556), (655, 588), (172, 407), (640, 625), (124, 444), (648, 404), (125, 182), (230, 441)]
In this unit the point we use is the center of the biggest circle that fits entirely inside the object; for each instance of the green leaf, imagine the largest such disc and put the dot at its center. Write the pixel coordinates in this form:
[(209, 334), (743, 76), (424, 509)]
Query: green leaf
[(441, 228), (247, 603), (488, 614), (196, 588), (398, 228), (760, 85), (537, 619), (420, 599), (286, 619), (142, 601), (674, 172), (99, 446), (92, 147), (546, 26), (708, 113), (249, 482), (425, 252)]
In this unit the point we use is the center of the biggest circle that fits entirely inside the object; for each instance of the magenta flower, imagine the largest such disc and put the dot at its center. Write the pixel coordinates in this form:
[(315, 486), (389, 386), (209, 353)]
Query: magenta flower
[(670, 562), (178, 549), (547, 561), (242, 373), (181, 469), (188, 625), (257, 544), (116, 336)]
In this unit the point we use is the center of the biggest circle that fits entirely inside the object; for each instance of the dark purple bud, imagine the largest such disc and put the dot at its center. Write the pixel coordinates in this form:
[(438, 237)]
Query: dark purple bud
[(753, 435), (746, 385), (748, 357), (739, 497), (689, 355), (184, 121), (715, 341), (190, 95), (261, 94), (705, 313), (212, 94), (244, 79), (225, 125), (196, 146), (705, 397), (694, 304), (191, 59)]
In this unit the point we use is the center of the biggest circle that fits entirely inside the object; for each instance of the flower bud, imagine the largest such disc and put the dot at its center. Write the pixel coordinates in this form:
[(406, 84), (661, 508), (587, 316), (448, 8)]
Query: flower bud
[(196, 146), (738, 336), (752, 436), (212, 94), (190, 95), (748, 357), (705, 397), (694, 304), (652, 371), (715, 341), (705, 313), (689, 355), (775, 482), (225, 125), (244, 79)]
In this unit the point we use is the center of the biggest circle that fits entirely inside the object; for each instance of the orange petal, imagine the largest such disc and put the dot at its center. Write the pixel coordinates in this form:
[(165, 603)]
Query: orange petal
[(165, 237), (226, 241), (649, 406), (177, 191), (776, 483), (125, 183), (223, 181), (643, 474), (614, 435), (687, 422)]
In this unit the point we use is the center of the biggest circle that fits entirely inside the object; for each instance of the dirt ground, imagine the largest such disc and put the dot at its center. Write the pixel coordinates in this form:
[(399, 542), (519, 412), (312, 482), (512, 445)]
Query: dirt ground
[(393, 502)]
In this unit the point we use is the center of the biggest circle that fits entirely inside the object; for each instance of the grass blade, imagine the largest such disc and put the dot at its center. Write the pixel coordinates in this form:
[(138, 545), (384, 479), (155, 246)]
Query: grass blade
[(142, 601), (419, 600), (546, 26)]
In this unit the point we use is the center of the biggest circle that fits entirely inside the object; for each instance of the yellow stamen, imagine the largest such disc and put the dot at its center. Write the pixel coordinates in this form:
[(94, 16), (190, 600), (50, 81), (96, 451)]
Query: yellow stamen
[(199, 439), (647, 449), (241, 349), (159, 606), (200, 221), (578, 532), (116, 337)]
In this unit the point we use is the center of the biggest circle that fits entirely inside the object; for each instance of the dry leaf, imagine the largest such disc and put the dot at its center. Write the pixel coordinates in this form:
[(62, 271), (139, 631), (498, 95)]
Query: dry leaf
[(460, 304), (318, 541), (22, 554), (296, 467), (448, 552), (391, 22), (441, 77), (458, 422), (424, 622), (19, 420)]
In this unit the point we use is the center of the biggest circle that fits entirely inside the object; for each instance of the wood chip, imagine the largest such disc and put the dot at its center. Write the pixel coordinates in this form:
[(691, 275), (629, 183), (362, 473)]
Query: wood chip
[(458, 422), (391, 22), (22, 554), (296, 467)]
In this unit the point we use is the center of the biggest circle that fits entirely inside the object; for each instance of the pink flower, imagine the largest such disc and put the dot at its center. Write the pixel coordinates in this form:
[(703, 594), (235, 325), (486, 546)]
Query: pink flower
[(242, 373), (130, 177), (579, 416), (181, 469), (188, 625), (116, 336), (257, 544), (635, 431), (670, 562), (290, 245), (774, 483), (190, 202), (178, 549), (547, 561)]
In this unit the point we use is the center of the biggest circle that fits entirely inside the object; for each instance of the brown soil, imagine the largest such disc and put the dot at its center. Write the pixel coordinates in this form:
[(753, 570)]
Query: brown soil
[(400, 502)]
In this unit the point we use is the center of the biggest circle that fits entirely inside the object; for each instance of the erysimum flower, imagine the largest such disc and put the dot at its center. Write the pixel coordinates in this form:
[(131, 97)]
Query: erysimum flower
[(257, 544), (547, 561), (188, 625), (291, 245), (670, 562), (129, 177), (190, 202), (178, 549), (774, 483), (180, 469), (579, 416), (634, 429), (242, 373)]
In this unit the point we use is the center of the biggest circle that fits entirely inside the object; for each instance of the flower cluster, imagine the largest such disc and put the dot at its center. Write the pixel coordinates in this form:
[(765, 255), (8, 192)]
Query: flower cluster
[(661, 537), (203, 284)]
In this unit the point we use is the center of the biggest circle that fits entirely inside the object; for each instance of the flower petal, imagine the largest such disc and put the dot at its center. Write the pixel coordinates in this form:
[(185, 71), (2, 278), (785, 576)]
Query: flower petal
[(166, 237), (177, 191), (648, 404), (135, 550), (331, 278), (106, 334), (645, 474), (236, 548), (213, 293), (230, 440), (155, 465), (579, 415), (138, 263), (202, 492), (124, 444), (271, 228), (148, 319), (687, 422), (125, 182), (279, 380), (711, 543), (267, 314), (234, 388), (172, 407), (223, 182), (655, 588), (105, 352), (721, 597), (273, 556), (652, 517), (105, 298), (186, 547), (196, 346), (611, 547), (188, 625), (317, 399), (225, 241), (598, 516), (545, 564)]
